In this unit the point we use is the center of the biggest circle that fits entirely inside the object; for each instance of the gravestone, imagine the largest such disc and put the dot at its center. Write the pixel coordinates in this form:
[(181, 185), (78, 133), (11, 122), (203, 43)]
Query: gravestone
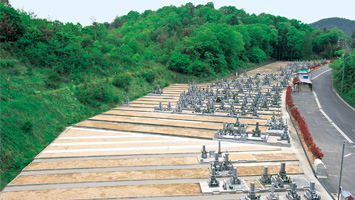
[(235, 180), (204, 152), (266, 178), (272, 195), (292, 194), (213, 182), (311, 193)]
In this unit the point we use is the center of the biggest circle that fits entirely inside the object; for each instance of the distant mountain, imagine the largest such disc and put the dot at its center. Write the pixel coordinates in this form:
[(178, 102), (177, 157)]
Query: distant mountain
[(346, 25)]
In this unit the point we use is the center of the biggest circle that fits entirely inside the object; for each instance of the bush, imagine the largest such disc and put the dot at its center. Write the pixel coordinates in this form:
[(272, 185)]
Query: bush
[(27, 127), (7, 63), (53, 80), (307, 137), (289, 101), (149, 76), (122, 80), (96, 94)]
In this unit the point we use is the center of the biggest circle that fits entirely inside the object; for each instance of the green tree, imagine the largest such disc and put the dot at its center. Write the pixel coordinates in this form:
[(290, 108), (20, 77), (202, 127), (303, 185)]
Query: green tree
[(180, 63), (10, 23), (294, 43)]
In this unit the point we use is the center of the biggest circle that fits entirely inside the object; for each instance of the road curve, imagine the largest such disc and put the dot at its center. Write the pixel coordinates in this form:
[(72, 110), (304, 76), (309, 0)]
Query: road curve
[(340, 113)]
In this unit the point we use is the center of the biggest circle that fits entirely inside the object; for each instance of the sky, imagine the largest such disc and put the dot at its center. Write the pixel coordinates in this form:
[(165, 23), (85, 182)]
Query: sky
[(83, 11)]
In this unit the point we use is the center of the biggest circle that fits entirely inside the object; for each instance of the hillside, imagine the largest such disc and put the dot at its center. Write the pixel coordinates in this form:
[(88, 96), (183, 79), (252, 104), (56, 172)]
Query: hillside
[(346, 25), (56, 74)]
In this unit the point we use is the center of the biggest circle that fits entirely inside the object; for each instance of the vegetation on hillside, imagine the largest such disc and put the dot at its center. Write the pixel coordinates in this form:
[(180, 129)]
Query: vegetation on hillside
[(56, 74), (346, 25), (348, 93)]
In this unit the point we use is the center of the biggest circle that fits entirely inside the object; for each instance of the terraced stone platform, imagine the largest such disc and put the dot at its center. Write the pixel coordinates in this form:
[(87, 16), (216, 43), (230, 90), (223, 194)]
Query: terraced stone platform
[(135, 153)]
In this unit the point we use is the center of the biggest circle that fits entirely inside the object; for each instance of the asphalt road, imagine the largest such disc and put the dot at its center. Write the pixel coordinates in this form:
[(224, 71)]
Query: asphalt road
[(341, 114), (324, 134)]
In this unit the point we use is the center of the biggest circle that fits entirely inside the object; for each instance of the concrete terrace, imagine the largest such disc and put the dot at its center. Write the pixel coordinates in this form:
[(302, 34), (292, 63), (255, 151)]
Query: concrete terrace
[(133, 152)]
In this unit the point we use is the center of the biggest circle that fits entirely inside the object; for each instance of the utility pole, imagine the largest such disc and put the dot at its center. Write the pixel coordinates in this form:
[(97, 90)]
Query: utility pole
[(344, 45), (341, 170), (342, 78)]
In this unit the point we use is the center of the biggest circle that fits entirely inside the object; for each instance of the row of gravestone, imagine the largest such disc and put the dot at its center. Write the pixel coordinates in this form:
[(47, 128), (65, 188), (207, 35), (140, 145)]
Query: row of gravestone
[(210, 102), (279, 181)]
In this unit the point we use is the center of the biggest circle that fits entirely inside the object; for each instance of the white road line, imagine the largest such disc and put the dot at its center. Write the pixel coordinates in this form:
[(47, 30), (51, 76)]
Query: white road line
[(320, 74), (346, 103), (347, 155), (330, 121)]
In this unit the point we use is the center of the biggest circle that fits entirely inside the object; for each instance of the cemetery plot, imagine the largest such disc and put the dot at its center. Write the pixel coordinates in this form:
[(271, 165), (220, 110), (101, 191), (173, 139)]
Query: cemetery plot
[(154, 161), (144, 174), (259, 157), (160, 122), (138, 109), (149, 129), (113, 163), (258, 185), (204, 118), (112, 176), (107, 192), (274, 156)]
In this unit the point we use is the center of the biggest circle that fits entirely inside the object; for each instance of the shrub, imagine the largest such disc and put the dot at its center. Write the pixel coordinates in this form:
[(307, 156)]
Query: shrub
[(7, 63), (27, 127), (149, 76), (53, 80), (121, 80), (96, 94), (289, 101), (306, 135)]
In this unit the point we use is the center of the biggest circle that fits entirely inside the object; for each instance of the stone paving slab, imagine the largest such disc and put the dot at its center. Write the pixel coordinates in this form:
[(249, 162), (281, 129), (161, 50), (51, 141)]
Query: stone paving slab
[(88, 133), (149, 129), (156, 150), (140, 144), (205, 118), (144, 174), (152, 106), (274, 156), (94, 139), (258, 185), (157, 97), (190, 112), (237, 157), (110, 176), (155, 101), (106, 192), (166, 122), (160, 122), (153, 161), (113, 162), (138, 109)]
